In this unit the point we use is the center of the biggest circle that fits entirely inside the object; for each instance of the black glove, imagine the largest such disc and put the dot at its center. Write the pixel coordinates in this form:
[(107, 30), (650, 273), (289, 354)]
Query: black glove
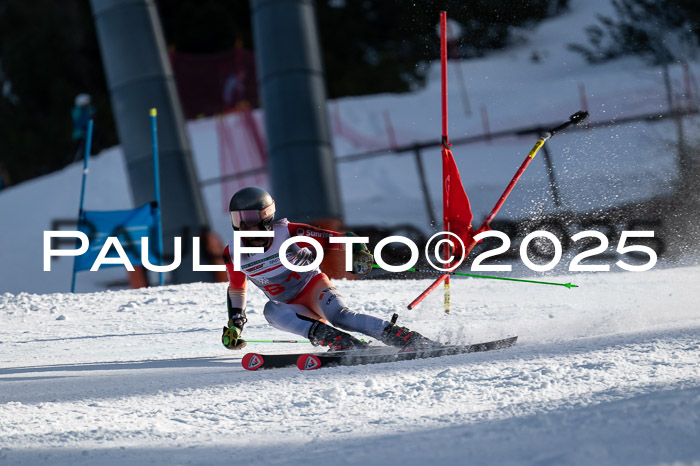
[(231, 337)]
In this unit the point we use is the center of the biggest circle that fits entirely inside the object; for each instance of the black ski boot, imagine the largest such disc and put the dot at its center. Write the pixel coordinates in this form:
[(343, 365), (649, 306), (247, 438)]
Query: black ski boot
[(402, 337), (321, 334)]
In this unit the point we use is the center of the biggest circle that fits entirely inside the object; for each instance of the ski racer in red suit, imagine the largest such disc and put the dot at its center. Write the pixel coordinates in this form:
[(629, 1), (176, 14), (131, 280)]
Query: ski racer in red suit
[(303, 303)]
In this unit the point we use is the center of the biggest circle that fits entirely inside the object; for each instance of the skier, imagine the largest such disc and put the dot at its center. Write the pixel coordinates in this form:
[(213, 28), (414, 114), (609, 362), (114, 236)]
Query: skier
[(303, 303)]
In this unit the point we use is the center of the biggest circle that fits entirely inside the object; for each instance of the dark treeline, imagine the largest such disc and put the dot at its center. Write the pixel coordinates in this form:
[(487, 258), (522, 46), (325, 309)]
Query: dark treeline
[(49, 54)]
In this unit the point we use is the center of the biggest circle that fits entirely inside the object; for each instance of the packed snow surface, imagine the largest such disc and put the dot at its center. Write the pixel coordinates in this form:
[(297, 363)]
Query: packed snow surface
[(607, 373)]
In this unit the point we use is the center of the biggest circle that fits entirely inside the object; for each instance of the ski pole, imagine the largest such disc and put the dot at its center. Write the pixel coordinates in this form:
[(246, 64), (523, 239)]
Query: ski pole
[(574, 119), (276, 341), (279, 341), (459, 274)]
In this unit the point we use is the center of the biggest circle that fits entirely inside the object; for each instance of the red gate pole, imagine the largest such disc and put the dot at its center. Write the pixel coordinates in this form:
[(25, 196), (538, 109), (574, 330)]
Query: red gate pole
[(445, 144)]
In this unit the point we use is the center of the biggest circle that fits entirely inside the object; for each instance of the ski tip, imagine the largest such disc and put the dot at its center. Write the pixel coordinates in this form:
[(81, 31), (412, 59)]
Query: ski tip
[(308, 362), (252, 361)]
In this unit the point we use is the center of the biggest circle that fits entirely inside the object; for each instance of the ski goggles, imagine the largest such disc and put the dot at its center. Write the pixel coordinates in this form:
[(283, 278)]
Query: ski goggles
[(249, 218)]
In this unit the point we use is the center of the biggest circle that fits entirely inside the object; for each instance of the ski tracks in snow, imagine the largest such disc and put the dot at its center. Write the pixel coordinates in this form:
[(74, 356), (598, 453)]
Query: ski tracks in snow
[(139, 376)]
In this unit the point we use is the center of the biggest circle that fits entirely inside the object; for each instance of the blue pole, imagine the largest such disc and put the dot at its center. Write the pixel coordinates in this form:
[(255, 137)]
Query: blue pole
[(156, 187), (88, 147)]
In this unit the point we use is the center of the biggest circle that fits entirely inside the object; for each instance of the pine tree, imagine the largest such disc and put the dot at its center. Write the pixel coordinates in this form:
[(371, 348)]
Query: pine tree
[(659, 31)]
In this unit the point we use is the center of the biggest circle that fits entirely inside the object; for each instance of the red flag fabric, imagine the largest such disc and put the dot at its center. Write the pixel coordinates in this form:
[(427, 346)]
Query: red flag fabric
[(456, 211)]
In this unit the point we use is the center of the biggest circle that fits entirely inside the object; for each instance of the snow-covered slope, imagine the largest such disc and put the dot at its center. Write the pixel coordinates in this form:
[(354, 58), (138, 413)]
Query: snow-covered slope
[(607, 373)]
